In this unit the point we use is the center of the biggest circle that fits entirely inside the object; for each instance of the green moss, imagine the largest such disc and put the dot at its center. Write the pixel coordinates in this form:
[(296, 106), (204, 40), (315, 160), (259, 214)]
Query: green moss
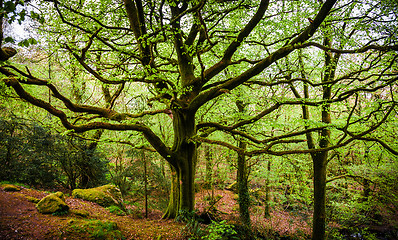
[(60, 195), (116, 210), (96, 229), (3, 183), (52, 203), (11, 188), (105, 196), (81, 213), (32, 199)]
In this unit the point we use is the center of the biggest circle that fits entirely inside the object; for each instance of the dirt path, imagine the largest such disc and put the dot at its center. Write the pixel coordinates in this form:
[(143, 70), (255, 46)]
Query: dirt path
[(19, 218)]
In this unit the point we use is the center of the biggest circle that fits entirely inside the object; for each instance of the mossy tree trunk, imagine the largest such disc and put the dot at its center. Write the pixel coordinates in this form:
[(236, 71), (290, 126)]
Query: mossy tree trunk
[(174, 203), (242, 174), (243, 189), (182, 196), (320, 159), (319, 215)]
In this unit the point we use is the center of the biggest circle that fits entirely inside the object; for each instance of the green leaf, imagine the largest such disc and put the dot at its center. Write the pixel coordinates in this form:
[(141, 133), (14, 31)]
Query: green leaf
[(9, 40), (27, 42), (9, 7)]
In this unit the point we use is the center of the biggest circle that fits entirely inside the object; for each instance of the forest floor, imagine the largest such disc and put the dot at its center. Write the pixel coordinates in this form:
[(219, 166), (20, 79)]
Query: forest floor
[(19, 219)]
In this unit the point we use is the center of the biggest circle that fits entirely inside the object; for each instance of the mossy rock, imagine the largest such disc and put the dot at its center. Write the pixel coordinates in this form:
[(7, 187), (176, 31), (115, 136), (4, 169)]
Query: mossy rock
[(32, 199), (11, 188), (81, 213), (94, 229), (105, 196), (60, 195), (52, 203)]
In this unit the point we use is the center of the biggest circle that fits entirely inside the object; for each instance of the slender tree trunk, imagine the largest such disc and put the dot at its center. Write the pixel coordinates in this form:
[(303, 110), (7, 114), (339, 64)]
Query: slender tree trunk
[(209, 168), (145, 184), (243, 189), (319, 216), (267, 209), (242, 177)]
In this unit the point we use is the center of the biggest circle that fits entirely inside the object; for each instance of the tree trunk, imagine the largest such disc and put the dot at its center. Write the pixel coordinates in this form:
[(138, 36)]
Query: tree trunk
[(174, 197), (267, 192), (320, 159), (182, 196), (319, 216), (145, 184), (243, 190), (241, 178), (209, 168)]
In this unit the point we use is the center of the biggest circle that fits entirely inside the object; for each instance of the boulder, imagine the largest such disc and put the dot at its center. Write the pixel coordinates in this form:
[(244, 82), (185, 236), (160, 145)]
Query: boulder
[(52, 203), (105, 196)]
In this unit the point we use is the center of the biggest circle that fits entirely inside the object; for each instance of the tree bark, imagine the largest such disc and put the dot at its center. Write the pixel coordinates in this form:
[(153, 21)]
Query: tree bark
[(174, 197), (319, 215), (243, 189), (267, 211), (145, 183), (320, 159), (182, 196), (241, 177)]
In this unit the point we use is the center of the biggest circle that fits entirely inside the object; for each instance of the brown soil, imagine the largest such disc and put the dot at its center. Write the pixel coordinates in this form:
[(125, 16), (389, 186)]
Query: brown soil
[(19, 219)]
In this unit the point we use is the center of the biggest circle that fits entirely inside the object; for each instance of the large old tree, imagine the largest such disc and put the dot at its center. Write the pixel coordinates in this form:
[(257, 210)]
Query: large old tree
[(192, 60)]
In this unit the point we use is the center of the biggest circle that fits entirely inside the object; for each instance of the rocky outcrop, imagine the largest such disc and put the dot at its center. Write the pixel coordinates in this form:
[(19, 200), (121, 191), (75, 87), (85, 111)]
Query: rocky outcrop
[(52, 203)]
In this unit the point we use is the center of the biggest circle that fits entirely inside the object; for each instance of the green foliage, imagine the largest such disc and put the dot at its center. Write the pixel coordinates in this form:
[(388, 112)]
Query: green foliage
[(349, 205), (11, 11), (27, 42), (26, 153), (31, 154), (221, 231), (127, 172), (192, 230)]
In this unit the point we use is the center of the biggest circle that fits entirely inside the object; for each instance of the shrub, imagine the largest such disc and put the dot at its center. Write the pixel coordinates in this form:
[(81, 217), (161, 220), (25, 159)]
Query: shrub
[(221, 231), (192, 229)]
